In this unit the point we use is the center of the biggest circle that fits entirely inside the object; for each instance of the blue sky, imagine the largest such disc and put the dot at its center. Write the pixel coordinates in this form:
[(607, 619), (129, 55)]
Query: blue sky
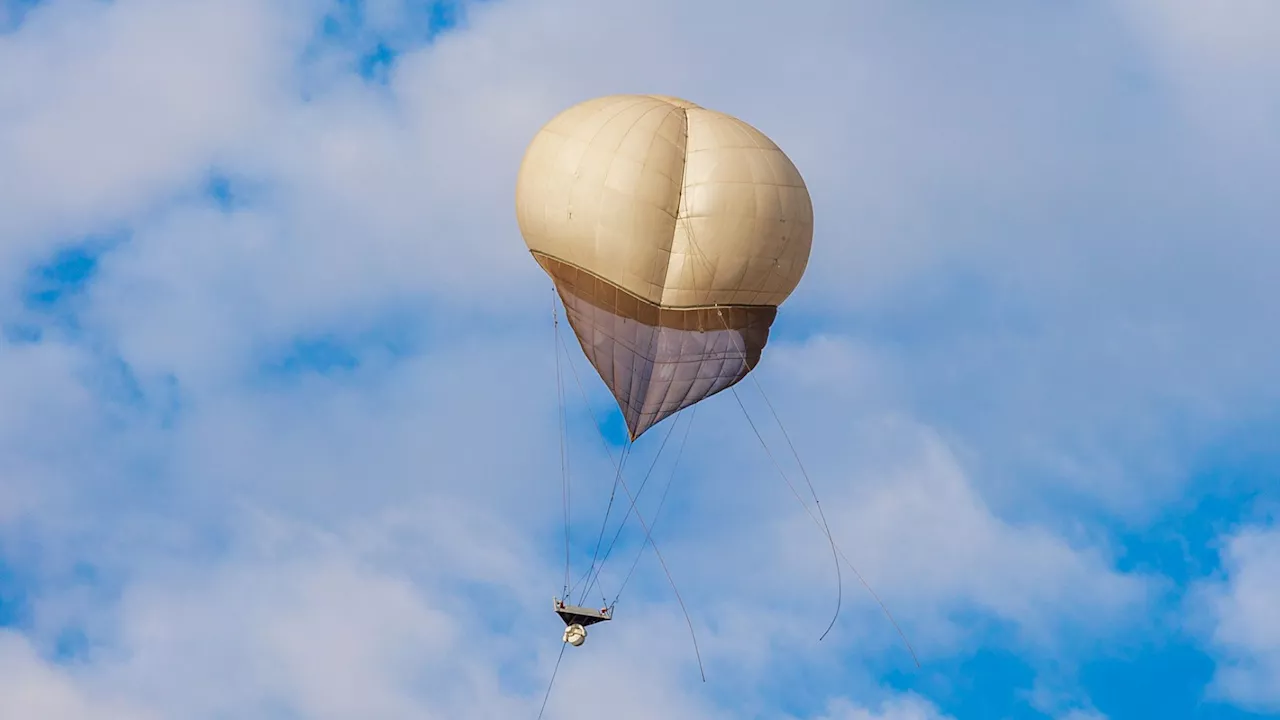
[(277, 394)]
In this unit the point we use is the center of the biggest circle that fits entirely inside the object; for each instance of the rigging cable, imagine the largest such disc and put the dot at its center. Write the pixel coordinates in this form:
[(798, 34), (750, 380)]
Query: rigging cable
[(626, 453), (556, 669), (639, 491), (562, 421), (648, 535), (684, 211), (661, 501), (821, 524)]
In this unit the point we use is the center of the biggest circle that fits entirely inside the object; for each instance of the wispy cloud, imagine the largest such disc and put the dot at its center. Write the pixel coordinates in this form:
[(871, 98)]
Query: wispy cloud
[(1238, 611)]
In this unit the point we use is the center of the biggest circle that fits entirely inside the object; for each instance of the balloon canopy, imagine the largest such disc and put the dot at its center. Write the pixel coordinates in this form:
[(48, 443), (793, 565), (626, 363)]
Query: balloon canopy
[(672, 234)]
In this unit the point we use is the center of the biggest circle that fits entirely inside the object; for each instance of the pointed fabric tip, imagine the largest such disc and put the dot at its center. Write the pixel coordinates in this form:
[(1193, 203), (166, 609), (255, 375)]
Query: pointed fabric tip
[(658, 361)]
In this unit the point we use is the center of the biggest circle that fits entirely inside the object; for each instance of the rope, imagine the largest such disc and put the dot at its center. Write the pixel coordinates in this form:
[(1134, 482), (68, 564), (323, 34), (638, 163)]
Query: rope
[(649, 538), (772, 459), (626, 453), (699, 254), (648, 535), (551, 684), (562, 422), (683, 211), (661, 501), (639, 492), (821, 524)]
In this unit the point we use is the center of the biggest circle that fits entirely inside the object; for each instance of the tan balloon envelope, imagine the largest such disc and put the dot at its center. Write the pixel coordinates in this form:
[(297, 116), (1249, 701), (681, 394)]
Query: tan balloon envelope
[(672, 233)]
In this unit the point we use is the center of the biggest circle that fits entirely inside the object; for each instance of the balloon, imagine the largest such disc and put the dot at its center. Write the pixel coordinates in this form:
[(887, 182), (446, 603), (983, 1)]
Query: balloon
[(672, 233)]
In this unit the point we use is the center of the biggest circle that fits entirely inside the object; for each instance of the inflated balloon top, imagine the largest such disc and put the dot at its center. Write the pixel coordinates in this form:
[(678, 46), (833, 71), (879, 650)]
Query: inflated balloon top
[(672, 233)]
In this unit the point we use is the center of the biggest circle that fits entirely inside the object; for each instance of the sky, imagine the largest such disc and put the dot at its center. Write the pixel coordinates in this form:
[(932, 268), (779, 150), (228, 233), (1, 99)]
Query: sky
[(278, 411)]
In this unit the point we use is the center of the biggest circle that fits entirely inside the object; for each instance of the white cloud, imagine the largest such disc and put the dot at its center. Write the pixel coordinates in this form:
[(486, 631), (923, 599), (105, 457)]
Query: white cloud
[(302, 622), (1244, 627), (904, 508), (904, 707), (31, 688), (413, 178), (1221, 62), (411, 503), (48, 426), (1083, 715), (120, 105)]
